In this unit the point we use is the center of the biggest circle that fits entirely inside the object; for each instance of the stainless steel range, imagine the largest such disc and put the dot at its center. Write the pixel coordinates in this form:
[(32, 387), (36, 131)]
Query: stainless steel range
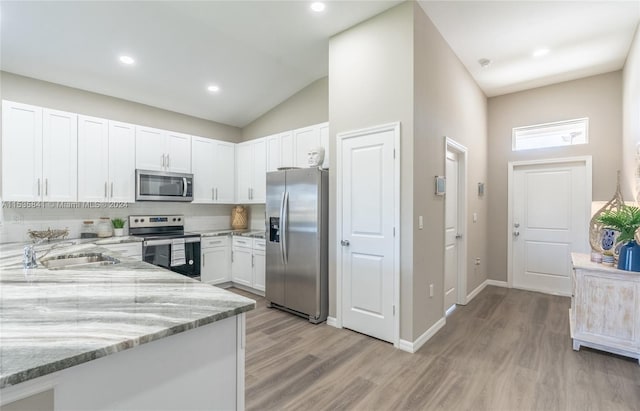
[(166, 244)]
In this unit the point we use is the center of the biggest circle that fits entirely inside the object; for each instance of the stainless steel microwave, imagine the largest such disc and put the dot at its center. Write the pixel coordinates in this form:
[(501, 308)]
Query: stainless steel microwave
[(163, 186)]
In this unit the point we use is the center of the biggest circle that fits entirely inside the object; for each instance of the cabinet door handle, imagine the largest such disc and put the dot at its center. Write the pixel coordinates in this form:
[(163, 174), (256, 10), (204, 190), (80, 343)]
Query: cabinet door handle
[(216, 193), (112, 189), (249, 193), (38, 187), (168, 161), (46, 186), (213, 195), (232, 256), (204, 259), (252, 258), (105, 189), (163, 161)]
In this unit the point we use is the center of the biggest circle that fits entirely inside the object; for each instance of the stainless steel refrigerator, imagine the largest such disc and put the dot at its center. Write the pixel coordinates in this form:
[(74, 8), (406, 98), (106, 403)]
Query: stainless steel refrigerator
[(297, 254)]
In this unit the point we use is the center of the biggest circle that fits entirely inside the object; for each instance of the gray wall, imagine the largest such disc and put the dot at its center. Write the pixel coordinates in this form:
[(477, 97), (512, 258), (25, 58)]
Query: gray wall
[(631, 122), (371, 83), (308, 106), (449, 103), (597, 97), (41, 93)]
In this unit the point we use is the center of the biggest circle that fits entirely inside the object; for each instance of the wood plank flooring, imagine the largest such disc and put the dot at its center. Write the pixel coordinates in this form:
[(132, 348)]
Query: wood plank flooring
[(506, 350)]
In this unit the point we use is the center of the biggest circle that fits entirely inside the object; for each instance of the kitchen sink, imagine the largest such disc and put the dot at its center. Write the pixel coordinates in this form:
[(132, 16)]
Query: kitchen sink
[(78, 261)]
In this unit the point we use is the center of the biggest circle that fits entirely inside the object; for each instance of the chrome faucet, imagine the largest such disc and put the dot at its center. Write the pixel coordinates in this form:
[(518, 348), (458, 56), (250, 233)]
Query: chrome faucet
[(29, 260)]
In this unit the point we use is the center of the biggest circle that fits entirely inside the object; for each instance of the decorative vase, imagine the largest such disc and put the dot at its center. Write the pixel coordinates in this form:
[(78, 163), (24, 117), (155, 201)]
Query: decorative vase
[(118, 232), (629, 259), (239, 218)]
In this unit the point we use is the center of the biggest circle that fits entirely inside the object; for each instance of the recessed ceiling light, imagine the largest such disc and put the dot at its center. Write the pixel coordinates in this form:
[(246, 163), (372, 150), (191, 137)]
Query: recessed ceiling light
[(484, 63), (213, 88), (317, 6), (540, 52), (126, 60)]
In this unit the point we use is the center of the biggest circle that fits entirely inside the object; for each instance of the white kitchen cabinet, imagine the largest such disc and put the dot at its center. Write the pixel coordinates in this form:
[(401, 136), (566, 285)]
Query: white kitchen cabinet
[(162, 150), (259, 264), (280, 151), (216, 260), (306, 138), (251, 170), (241, 266), (248, 266), (39, 153), (106, 160), (324, 142), (213, 166)]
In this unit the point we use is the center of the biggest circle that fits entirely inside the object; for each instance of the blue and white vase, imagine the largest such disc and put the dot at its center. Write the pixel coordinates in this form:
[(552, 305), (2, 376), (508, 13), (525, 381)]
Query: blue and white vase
[(629, 259)]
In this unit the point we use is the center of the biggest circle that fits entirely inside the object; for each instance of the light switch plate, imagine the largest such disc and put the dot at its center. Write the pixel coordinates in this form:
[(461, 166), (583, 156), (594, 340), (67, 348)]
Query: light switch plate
[(420, 223)]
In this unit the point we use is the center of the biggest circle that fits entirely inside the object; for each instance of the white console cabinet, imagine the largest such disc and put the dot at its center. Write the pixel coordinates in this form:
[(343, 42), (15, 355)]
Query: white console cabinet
[(605, 308)]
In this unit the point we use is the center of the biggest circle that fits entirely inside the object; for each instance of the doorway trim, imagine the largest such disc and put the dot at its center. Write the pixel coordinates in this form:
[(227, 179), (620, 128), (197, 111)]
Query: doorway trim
[(395, 128), (512, 165), (462, 152)]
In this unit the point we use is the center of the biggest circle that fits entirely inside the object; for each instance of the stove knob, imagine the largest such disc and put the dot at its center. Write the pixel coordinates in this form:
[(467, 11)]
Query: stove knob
[(179, 219), (135, 221), (174, 219), (142, 220)]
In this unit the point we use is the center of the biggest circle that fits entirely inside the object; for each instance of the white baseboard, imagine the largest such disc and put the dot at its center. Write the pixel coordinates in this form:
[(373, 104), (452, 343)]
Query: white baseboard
[(412, 347), (497, 283), (332, 321), (482, 286), (476, 291)]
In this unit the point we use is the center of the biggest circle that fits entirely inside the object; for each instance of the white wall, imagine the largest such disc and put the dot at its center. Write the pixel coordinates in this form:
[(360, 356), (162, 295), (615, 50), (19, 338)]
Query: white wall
[(631, 121), (371, 83), (597, 97)]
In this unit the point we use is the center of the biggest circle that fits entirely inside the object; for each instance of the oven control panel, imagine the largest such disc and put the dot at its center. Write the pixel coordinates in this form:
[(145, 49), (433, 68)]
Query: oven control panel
[(142, 221)]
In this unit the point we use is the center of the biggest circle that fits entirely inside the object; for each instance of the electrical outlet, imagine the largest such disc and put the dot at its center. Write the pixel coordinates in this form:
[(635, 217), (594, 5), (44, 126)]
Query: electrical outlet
[(477, 260), (431, 290), (420, 222)]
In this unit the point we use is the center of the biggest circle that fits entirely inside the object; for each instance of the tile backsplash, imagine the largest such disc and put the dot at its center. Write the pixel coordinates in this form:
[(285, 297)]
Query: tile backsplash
[(14, 222)]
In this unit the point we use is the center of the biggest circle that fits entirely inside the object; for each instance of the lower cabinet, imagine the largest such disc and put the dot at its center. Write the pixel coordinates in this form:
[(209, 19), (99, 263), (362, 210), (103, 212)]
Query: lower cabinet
[(215, 260), (248, 262)]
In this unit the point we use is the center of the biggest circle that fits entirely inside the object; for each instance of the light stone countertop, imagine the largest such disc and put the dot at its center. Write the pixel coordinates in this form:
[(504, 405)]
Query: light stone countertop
[(55, 319)]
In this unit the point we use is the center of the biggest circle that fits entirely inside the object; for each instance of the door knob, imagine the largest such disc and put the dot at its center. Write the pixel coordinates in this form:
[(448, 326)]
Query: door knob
[(516, 225), (458, 236), (345, 243), (516, 233)]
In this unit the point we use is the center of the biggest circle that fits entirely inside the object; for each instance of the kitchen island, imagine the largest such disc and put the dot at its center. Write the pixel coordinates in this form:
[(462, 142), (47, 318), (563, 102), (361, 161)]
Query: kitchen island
[(119, 336)]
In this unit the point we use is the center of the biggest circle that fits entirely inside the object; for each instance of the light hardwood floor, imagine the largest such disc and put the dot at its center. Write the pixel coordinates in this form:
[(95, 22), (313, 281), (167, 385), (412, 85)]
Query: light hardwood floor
[(506, 350)]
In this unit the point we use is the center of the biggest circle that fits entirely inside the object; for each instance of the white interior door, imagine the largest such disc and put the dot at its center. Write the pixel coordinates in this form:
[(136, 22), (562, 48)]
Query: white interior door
[(367, 177), (451, 232), (550, 219)]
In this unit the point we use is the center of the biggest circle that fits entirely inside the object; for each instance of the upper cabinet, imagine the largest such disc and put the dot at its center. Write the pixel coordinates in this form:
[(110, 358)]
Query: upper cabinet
[(39, 153), (280, 151), (106, 160), (307, 138), (251, 169), (162, 150), (291, 148), (213, 167)]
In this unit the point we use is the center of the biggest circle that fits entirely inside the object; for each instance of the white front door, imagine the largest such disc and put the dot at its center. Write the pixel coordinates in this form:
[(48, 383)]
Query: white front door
[(367, 178), (550, 219), (451, 232)]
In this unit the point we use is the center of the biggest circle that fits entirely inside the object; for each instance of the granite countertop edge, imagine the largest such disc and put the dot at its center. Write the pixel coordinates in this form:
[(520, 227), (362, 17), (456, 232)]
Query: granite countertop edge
[(55, 366), (150, 282)]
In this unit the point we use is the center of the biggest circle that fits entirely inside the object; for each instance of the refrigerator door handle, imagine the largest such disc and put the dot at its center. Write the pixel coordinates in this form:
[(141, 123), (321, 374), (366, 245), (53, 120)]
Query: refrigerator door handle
[(285, 226), (282, 227)]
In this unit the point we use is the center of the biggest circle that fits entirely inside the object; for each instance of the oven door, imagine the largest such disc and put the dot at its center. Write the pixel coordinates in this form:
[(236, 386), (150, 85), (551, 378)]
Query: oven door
[(158, 252)]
